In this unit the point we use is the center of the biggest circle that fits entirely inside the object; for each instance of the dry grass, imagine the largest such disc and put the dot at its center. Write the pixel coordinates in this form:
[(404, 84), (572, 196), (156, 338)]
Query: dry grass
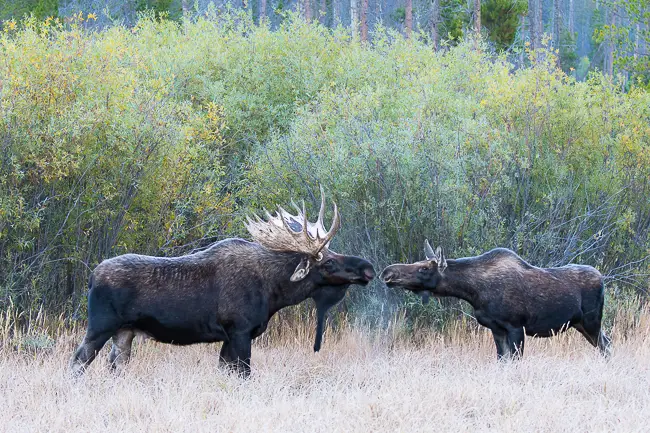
[(360, 381)]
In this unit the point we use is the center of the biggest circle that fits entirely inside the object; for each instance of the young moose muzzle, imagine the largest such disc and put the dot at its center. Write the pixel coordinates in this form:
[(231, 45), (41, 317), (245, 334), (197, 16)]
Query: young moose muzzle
[(510, 296)]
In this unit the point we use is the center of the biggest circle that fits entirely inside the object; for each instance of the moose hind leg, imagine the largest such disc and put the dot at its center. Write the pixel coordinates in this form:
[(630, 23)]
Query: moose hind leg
[(516, 339), (604, 344), (121, 351), (595, 336), (87, 351), (501, 341)]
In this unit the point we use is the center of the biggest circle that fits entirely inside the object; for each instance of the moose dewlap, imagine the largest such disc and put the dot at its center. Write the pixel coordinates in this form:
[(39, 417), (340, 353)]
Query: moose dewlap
[(510, 296)]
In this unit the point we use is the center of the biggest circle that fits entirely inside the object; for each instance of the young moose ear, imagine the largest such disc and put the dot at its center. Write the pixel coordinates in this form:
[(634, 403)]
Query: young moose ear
[(301, 270), (438, 256), (428, 251), (442, 261)]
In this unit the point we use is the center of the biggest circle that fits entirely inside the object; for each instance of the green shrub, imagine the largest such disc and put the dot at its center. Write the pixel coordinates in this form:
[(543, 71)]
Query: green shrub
[(159, 138)]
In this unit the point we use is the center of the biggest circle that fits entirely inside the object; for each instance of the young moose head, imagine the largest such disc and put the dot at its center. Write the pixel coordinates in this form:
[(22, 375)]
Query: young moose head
[(420, 277), (294, 233)]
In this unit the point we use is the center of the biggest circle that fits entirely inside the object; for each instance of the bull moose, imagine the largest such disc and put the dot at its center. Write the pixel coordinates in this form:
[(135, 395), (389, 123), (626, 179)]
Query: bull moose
[(511, 297), (227, 292)]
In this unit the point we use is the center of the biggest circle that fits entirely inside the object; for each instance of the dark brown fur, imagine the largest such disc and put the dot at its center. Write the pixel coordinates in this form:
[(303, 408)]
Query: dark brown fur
[(227, 292), (512, 297)]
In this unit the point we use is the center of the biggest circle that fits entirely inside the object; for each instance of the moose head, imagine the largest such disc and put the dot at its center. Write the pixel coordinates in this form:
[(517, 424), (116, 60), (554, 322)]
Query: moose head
[(420, 277), (330, 273)]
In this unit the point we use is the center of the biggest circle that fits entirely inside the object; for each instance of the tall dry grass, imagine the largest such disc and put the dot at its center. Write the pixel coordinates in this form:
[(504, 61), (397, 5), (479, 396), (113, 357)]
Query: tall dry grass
[(362, 380)]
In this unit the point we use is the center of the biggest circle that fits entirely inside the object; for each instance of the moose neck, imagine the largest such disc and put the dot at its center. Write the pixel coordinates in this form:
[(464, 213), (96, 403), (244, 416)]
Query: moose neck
[(459, 281), (283, 292)]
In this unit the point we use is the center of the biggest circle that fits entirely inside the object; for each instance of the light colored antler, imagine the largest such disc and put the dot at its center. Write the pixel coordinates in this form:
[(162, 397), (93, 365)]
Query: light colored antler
[(287, 232)]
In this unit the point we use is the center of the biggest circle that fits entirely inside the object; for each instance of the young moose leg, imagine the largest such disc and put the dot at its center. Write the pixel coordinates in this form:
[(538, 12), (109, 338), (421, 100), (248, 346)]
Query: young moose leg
[(604, 344), (516, 342), (595, 336), (591, 324), (121, 351), (87, 350)]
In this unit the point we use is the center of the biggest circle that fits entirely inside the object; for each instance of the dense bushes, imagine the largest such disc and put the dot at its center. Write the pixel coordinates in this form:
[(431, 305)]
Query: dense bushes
[(158, 139)]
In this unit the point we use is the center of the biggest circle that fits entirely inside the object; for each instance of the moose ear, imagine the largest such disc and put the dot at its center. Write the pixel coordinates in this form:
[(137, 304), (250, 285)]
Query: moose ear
[(442, 261), (301, 270), (428, 251)]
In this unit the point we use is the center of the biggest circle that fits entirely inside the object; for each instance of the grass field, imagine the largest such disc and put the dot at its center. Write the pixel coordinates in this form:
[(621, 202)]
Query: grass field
[(360, 381)]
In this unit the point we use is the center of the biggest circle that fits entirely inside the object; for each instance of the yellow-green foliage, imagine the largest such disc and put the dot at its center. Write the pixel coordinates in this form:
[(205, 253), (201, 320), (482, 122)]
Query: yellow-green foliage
[(99, 156), (151, 138)]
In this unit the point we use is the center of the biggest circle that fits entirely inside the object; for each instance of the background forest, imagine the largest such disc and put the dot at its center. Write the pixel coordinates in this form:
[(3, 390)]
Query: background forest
[(612, 36), (157, 134)]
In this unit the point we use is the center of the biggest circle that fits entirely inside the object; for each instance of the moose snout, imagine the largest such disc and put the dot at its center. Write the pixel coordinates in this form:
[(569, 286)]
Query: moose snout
[(387, 275), (369, 273)]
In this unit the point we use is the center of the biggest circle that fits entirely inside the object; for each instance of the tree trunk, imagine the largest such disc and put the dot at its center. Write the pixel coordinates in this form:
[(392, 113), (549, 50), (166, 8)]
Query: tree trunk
[(557, 26), (539, 20), (609, 49), (408, 19), (532, 23), (522, 29), (323, 12), (185, 5), (477, 18), (434, 21), (262, 13), (637, 35), (364, 20), (354, 18), (571, 18), (307, 9)]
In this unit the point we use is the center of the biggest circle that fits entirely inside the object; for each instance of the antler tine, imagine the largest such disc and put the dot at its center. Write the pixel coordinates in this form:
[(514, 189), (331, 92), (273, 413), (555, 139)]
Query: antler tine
[(293, 203), (281, 214), (336, 224), (256, 217), (305, 230), (321, 213)]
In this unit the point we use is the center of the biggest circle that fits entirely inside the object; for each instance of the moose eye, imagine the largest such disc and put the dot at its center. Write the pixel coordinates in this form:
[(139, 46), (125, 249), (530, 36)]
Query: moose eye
[(423, 270), (329, 264)]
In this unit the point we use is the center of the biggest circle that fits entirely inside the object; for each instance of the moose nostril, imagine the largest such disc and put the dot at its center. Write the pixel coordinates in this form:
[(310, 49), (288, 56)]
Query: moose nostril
[(369, 273), (387, 275)]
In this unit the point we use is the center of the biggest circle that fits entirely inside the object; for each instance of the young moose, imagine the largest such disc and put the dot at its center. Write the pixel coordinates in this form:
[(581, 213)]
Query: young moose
[(510, 296), (227, 292)]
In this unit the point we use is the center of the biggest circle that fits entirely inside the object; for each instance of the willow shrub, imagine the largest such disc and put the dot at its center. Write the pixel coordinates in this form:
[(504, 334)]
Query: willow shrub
[(461, 149), (160, 137), (98, 158)]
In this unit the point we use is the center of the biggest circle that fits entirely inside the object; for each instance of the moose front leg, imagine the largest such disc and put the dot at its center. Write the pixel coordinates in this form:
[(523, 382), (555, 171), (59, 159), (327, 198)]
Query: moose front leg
[(516, 342), (236, 354), (510, 342), (501, 341)]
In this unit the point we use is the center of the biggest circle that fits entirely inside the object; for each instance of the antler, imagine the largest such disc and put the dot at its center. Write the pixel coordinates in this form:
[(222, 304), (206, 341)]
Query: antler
[(287, 232)]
